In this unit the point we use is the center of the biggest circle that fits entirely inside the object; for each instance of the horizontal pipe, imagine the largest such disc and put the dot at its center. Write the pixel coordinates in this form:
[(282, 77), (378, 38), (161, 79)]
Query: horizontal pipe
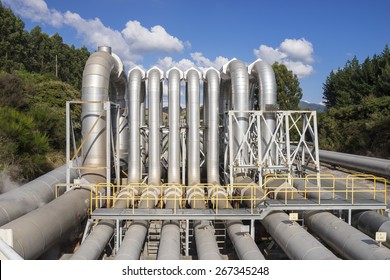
[(371, 222), (40, 229), (349, 242), (372, 165), (296, 242), (36, 193)]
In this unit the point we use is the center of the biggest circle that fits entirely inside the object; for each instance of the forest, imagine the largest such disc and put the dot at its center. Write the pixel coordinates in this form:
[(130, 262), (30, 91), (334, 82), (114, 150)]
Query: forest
[(39, 73)]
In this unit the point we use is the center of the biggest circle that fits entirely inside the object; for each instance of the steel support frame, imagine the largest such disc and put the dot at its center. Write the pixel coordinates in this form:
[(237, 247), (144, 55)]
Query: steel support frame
[(291, 154)]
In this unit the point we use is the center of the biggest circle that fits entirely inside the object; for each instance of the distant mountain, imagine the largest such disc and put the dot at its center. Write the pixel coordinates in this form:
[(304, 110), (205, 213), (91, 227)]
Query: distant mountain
[(305, 105)]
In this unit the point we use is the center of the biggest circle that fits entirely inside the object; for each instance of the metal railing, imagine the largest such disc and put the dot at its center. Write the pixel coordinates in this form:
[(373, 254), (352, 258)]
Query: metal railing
[(349, 190)]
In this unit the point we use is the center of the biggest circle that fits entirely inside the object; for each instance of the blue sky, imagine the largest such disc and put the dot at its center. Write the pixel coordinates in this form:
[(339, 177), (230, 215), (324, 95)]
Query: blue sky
[(310, 37)]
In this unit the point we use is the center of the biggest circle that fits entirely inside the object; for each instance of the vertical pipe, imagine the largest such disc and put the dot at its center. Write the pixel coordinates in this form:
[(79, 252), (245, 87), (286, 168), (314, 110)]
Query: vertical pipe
[(192, 77), (212, 78), (237, 72), (154, 75), (174, 78), (136, 75), (265, 77)]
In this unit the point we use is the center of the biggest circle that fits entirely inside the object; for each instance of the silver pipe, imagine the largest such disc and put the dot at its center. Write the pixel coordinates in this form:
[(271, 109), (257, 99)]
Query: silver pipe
[(349, 242), (174, 78), (136, 76), (37, 231), (377, 166), (154, 76), (370, 222), (32, 195), (238, 73), (120, 97), (100, 69), (212, 85), (192, 77), (296, 242), (265, 77), (97, 240), (144, 144), (133, 241)]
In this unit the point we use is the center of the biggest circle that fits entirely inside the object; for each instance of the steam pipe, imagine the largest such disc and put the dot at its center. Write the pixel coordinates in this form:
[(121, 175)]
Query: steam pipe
[(101, 68), (237, 72), (192, 77), (349, 242), (174, 78), (131, 246), (155, 76), (245, 246), (96, 241), (265, 77), (297, 243), (32, 195), (136, 75), (169, 248), (372, 165), (370, 222), (212, 79), (37, 231)]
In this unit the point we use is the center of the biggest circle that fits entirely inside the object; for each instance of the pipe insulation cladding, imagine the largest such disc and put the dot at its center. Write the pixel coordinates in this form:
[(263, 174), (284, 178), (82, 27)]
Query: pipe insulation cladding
[(36, 193), (100, 70), (349, 242)]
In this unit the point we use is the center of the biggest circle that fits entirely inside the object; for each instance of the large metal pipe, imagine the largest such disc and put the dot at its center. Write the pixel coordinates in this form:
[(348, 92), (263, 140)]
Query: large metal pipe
[(136, 76), (238, 73), (100, 70), (372, 165), (174, 78), (40, 229), (370, 222), (94, 244), (169, 248), (192, 77), (296, 242), (349, 242), (265, 77), (133, 241), (32, 195), (154, 75), (212, 78)]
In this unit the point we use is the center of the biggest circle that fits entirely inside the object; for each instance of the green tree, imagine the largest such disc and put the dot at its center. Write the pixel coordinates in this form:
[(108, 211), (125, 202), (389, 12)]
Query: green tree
[(287, 87)]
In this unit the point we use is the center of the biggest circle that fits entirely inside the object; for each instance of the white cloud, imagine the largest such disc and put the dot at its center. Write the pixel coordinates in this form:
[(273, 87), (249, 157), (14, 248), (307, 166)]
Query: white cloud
[(204, 62), (296, 54), (35, 10), (141, 39), (130, 44)]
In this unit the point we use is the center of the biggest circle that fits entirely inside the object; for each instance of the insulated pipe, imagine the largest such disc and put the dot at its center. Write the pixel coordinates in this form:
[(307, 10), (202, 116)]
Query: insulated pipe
[(120, 97), (372, 165), (169, 248), (143, 147), (265, 76), (136, 76), (296, 242), (212, 77), (100, 69), (192, 77), (97, 240), (349, 242), (370, 222), (154, 75), (37, 231), (238, 73), (133, 241), (174, 78), (32, 195)]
